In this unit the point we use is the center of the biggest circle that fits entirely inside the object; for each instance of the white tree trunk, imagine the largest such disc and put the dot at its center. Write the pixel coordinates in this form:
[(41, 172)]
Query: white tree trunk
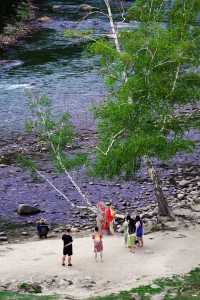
[(112, 25)]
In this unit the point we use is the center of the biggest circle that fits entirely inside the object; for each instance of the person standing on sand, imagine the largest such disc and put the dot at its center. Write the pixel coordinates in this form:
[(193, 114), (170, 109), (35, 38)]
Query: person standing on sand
[(98, 243), (110, 217), (67, 247), (125, 230), (139, 231), (42, 228), (131, 234)]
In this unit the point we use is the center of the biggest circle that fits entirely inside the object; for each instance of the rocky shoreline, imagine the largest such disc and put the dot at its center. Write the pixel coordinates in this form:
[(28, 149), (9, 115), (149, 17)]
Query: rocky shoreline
[(180, 177)]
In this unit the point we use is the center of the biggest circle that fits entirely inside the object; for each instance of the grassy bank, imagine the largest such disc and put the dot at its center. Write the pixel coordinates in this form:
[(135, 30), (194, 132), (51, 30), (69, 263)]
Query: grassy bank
[(176, 288), (186, 287), (15, 296)]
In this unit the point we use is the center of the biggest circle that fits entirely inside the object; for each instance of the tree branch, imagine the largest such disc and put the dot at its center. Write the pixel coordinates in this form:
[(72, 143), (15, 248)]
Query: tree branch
[(112, 142)]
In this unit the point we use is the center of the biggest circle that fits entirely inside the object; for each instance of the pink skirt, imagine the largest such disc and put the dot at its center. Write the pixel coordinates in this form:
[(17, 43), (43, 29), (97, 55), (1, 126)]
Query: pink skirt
[(98, 246)]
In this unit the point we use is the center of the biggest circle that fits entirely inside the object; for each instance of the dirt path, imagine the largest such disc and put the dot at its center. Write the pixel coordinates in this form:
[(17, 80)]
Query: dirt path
[(165, 253)]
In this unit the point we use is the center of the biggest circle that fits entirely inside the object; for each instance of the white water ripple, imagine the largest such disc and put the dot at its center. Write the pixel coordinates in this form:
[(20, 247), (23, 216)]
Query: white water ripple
[(10, 87)]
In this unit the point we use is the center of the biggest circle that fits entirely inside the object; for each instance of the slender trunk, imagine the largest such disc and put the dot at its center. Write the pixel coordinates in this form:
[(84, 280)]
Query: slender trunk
[(163, 207), (55, 188), (89, 207), (74, 183), (112, 25), (63, 167)]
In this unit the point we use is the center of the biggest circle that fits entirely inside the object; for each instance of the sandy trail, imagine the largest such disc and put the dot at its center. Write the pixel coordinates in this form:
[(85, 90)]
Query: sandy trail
[(165, 253)]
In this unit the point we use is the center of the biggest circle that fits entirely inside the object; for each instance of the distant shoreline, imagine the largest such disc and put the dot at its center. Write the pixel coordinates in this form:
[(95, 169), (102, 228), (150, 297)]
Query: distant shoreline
[(19, 30)]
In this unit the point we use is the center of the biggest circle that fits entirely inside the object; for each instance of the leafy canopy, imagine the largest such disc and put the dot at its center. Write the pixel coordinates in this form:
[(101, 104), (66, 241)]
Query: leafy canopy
[(150, 81)]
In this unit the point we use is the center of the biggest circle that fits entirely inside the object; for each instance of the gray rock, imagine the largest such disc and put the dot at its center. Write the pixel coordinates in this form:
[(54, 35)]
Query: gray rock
[(184, 183), (135, 297), (180, 196), (3, 239), (155, 286), (30, 287), (25, 233), (87, 283), (160, 296), (180, 236), (184, 213), (85, 8), (2, 233), (24, 209)]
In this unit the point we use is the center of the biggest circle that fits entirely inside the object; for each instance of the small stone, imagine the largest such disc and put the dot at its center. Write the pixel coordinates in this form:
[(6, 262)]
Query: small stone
[(3, 239), (25, 233), (85, 8), (184, 183), (180, 236), (180, 196), (158, 297), (155, 286), (44, 19), (74, 229), (3, 166), (2, 233), (135, 297)]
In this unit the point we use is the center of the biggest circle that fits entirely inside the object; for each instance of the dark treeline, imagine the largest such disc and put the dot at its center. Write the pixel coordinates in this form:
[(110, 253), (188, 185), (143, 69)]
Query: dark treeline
[(8, 11), (12, 11)]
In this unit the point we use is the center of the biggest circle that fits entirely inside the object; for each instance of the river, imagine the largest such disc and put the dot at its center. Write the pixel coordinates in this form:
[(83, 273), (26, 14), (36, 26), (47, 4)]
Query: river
[(47, 63)]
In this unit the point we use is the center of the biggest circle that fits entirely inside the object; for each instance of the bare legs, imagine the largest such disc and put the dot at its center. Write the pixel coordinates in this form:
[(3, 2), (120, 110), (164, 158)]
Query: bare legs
[(141, 244), (96, 256), (69, 260)]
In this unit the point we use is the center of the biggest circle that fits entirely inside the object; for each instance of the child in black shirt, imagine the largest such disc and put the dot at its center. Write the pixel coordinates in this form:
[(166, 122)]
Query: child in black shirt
[(67, 247)]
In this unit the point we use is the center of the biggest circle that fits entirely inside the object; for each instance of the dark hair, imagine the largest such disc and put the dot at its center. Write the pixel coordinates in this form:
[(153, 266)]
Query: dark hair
[(131, 226), (68, 230), (128, 217), (138, 219), (96, 228)]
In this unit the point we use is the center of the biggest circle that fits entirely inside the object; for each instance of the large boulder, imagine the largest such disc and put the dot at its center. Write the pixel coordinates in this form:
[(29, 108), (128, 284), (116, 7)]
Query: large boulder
[(24, 209)]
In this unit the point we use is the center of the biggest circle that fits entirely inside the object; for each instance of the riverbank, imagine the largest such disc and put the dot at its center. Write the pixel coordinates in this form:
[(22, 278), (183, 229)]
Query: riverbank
[(184, 287), (180, 177), (39, 262)]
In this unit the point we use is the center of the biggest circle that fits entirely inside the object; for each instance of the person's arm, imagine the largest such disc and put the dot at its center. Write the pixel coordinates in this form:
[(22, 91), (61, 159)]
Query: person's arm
[(68, 244)]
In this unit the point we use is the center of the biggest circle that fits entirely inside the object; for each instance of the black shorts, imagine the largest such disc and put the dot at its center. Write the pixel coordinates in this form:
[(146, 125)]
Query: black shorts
[(67, 251)]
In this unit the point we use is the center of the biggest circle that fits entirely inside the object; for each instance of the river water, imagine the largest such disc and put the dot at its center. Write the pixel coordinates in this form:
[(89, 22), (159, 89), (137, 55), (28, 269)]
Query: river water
[(48, 63)]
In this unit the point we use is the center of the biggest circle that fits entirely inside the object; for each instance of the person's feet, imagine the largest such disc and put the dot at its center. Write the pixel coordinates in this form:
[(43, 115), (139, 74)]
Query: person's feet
[(70, 265), (63, 264)]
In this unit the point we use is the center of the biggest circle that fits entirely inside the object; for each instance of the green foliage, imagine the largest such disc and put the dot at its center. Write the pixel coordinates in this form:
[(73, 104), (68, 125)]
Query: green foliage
[(145, 11), (23, 11), (56, 133), (150, 81), (30, 287), (185, 287), (16, 296), (26, 164), (75, 33)]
